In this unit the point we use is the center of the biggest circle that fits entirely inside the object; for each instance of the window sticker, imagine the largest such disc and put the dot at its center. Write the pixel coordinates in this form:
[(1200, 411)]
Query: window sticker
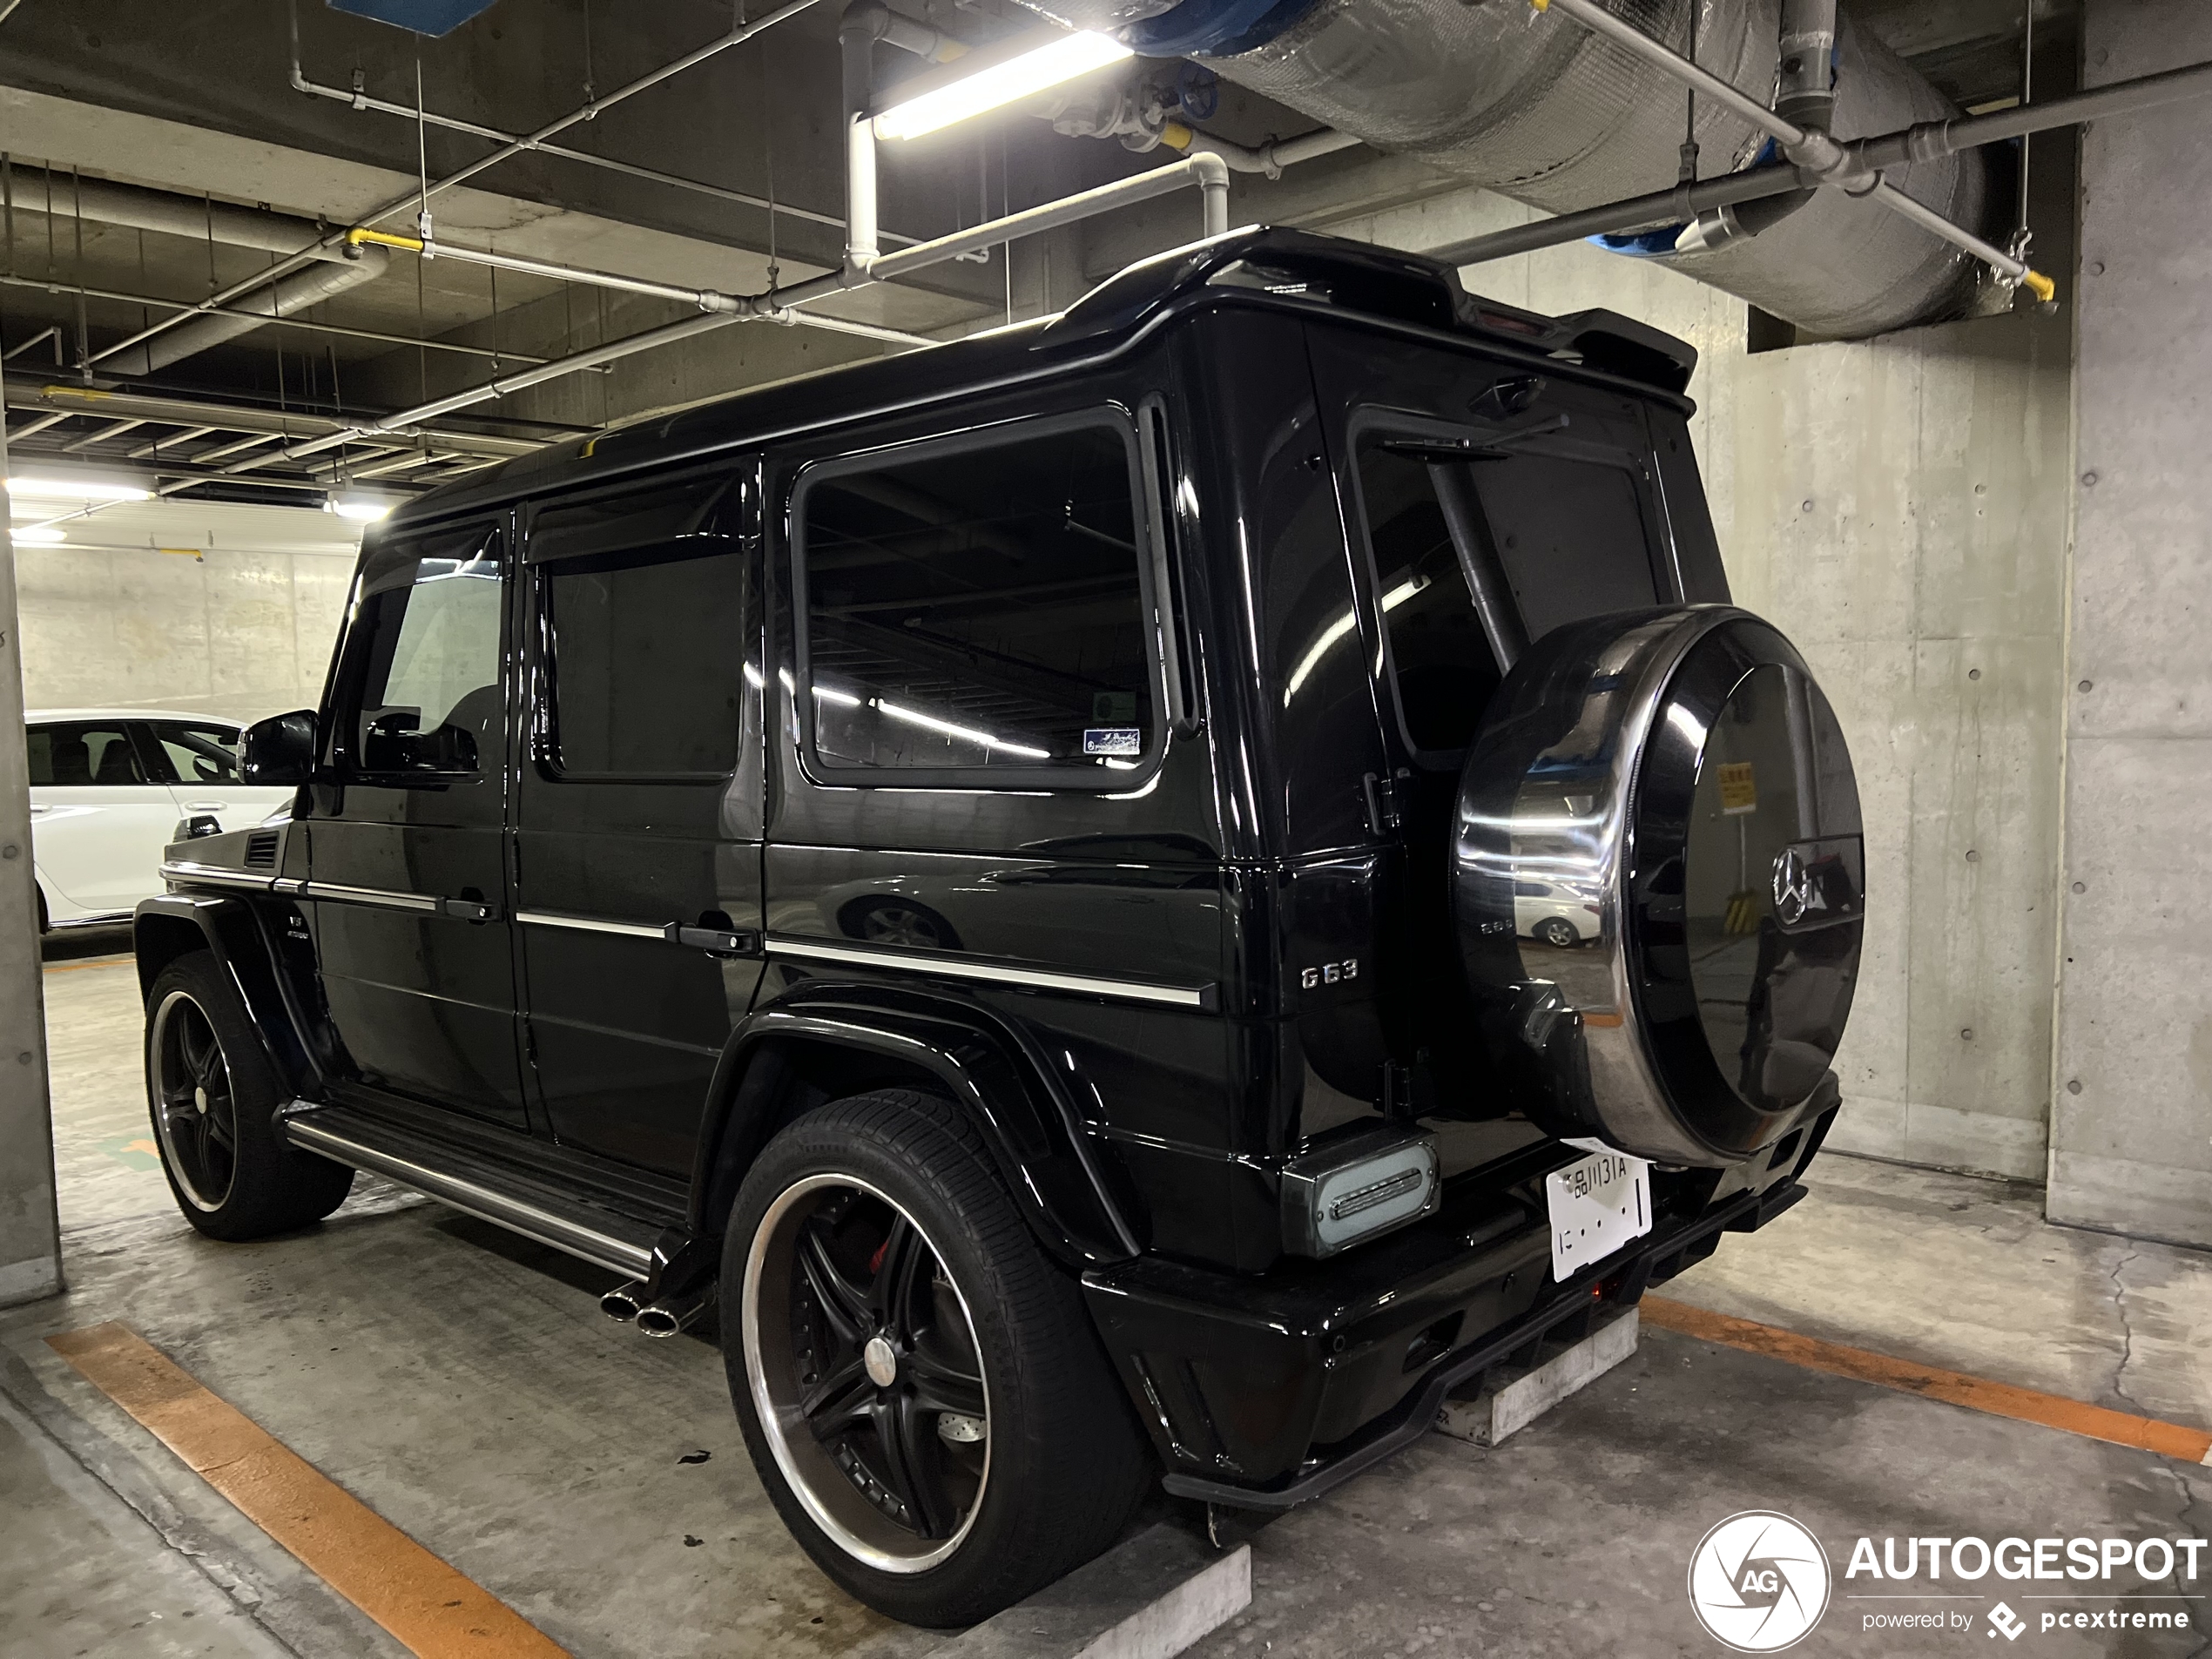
[(1113, 740)]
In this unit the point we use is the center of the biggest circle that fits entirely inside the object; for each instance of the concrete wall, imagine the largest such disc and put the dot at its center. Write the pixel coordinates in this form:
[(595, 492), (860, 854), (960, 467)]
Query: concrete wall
[(1900, 506), (238, 633), (2129, 1147)]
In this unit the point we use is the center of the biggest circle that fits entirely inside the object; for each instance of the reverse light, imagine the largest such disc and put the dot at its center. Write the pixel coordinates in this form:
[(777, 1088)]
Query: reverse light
[(1356, 1187), (1006, 82)]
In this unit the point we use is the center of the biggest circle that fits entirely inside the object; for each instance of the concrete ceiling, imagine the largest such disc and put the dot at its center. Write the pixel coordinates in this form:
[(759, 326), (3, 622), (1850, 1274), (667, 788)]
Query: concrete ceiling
[(197, 99)]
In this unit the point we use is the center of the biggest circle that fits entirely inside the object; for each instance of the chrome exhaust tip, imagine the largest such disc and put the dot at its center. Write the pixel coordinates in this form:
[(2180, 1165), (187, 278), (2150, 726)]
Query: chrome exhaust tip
[(624, 1302), (674, 1314)]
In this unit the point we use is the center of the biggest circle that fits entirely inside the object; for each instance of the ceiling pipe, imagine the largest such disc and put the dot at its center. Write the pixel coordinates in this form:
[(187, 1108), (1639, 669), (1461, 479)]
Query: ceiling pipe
[(64, 400), (1209, 174), (1813, 150), (154, 301), (1806, 94), (357, 97), (1269, 159), (1925, 141), (134, 207), (588, 111), (322, 280)]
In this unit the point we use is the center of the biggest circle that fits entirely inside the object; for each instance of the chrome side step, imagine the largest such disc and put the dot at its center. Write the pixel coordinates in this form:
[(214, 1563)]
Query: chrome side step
[(592, 1235)]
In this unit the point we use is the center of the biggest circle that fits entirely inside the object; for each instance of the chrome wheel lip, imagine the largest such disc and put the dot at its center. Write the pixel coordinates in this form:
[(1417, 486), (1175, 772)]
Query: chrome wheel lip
[(776, 1429), (172, 1156)]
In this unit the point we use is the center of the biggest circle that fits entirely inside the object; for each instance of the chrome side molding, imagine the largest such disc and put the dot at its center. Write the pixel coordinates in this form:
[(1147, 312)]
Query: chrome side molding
[(947, 966)]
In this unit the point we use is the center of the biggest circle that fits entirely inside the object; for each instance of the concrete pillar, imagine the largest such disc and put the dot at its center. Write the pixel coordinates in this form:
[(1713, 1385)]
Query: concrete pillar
[(2131, 1142), (30, 1249)]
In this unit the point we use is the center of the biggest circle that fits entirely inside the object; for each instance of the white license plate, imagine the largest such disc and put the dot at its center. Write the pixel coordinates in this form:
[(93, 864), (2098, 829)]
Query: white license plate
[(1598, 1204)]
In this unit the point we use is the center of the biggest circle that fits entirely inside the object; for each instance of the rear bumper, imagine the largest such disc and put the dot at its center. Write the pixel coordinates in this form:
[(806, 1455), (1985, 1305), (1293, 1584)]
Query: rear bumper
[(1262, 1394)]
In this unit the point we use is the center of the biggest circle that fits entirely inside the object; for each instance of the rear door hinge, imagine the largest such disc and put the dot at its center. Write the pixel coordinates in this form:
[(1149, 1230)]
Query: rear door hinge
[(1384, 811)]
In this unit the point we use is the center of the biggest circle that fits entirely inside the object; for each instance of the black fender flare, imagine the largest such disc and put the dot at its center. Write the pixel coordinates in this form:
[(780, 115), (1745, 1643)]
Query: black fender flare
[(1075, 1202), (172, 924)]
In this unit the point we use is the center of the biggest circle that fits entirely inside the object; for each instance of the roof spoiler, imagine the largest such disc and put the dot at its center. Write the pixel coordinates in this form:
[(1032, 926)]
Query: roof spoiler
[(1373, 281)]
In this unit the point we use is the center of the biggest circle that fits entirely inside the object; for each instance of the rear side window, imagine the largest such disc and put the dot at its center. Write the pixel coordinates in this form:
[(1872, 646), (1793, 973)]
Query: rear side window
[(75, 755), (646, 648), (1563, 535), (424, 686), (980, 608)]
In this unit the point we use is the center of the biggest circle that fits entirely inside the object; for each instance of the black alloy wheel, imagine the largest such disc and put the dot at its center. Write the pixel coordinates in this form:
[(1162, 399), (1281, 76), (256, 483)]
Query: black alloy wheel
[(213, 1094), (866, 1358), (920, 1386), (195, 1109)]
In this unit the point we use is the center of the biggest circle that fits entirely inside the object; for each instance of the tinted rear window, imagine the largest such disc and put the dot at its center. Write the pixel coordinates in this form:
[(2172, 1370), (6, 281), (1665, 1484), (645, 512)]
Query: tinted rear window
[(1570, 535), (1567, 534)]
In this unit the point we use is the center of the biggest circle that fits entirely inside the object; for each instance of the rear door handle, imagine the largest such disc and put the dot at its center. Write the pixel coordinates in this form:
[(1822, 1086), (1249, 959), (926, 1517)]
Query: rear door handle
[(207, 805)]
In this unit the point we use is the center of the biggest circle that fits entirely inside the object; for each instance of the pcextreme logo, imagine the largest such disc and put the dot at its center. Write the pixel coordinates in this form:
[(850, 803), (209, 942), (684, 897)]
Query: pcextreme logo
[(1758, 1582)]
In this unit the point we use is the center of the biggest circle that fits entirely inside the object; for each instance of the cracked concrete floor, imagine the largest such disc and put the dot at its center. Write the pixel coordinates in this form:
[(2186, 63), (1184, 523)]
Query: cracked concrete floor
[(463, 1384)]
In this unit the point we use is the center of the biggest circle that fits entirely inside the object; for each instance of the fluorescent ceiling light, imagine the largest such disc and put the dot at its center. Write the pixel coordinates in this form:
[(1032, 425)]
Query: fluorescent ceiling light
[(1001, 84), (931, 723), (36, 535), (75, 489), (362, 510)]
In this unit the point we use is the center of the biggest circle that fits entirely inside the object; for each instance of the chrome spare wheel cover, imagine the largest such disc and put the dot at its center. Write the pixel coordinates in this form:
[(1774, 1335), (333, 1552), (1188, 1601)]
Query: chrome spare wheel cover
[(1680, 775), (865, 1371), (195, 1109)]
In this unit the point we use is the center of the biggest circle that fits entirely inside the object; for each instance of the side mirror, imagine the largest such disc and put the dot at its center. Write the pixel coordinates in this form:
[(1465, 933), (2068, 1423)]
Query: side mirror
[(279, 750)]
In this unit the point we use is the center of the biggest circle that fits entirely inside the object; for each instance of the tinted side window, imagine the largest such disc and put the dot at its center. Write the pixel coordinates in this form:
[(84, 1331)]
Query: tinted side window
[(425, 673), (1570, 535), (198, 754), (76, 754), (980, 607), (1440, 659), (646, 649)]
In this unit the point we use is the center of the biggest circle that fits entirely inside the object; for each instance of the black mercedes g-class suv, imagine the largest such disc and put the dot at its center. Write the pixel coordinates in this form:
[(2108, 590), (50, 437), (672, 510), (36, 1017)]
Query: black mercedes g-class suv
[(1150, 892)]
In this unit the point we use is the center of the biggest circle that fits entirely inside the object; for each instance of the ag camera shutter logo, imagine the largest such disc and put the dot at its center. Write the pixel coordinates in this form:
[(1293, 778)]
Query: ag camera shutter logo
[(1758, 1582)]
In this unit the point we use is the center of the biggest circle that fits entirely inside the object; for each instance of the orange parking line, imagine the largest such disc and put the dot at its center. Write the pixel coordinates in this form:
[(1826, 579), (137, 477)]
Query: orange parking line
[(431, 1608), (1953, 1387), (78, 968)]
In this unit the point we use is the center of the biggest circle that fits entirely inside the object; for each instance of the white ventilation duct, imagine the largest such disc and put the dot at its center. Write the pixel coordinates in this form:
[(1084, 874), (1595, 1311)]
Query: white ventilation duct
[(1538, 108)]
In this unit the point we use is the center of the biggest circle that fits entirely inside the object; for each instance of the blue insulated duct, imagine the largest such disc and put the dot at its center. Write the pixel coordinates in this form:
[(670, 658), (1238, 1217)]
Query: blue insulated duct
[(1537, 108)]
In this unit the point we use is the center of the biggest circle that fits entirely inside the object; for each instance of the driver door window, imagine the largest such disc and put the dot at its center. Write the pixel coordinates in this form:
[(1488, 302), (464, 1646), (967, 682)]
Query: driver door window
[(427, 693)]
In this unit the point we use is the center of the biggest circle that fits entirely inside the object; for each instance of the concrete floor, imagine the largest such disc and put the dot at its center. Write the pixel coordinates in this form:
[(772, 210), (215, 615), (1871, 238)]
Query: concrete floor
[(464, 1385)]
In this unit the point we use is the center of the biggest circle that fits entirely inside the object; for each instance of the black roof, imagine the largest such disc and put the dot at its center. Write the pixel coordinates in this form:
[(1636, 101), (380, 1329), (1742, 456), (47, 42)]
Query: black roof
[(1263, 265)]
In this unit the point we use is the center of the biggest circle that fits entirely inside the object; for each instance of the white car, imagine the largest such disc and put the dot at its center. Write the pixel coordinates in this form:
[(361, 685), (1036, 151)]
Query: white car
[(1557, 914), (108, 788)]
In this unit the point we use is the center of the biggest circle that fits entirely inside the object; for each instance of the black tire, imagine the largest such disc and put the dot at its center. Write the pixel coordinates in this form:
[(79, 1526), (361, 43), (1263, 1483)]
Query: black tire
[(1558, 933), (213, 1096), (974, 1523)]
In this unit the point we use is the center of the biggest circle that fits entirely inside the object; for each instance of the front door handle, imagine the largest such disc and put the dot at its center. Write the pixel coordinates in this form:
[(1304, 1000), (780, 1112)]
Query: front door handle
[(715, 942), (207, 805)]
